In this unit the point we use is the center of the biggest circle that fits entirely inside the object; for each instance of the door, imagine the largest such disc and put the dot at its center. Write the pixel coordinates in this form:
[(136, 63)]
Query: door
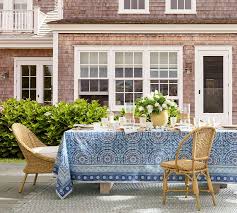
[(34, 80), (213, 84)]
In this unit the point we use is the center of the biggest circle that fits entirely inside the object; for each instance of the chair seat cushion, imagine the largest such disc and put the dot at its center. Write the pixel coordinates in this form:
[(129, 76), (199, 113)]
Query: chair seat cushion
[(185, 165), (48, 151)]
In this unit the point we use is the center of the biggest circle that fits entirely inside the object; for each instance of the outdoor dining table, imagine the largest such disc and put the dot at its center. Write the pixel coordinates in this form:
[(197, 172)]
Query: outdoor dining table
[(91, 156)]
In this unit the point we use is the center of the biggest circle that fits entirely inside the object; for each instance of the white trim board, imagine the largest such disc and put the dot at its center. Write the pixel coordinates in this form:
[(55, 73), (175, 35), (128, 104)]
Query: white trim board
[(26, 44), (212, 50), (144, 28)]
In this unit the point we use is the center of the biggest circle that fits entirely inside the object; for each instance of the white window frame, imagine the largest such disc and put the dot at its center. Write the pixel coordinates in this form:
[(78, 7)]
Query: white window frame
[(39, 62), (134, 11), (111, 67), (168, 9)]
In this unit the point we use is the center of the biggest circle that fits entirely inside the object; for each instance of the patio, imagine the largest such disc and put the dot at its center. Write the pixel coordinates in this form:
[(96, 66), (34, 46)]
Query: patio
[(123, 198)]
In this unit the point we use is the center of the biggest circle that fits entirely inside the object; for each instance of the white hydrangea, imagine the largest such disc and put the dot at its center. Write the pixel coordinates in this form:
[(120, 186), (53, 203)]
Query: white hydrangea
[(164, 106), (160, 109), (149, 109), (157, 104), (141, 108), (156, 92)]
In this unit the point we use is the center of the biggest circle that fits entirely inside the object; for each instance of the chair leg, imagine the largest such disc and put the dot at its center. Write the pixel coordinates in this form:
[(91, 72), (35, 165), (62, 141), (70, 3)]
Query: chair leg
[(196, 191), (23, 183), (210, 187), (165, 186), (35, 179), (186, 185)]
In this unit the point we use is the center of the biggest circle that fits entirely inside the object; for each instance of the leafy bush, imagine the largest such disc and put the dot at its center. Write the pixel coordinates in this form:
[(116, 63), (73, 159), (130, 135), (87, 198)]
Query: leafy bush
[(47, 122)]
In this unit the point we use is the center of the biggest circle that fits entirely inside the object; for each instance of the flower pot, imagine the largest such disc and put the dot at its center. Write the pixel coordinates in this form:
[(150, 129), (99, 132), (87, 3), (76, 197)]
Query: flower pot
[(160, 119)]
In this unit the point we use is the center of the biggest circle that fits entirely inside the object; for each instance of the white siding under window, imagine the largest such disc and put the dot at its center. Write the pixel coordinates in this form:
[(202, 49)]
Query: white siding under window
[(133, 6), (127, 73), (181, 6)]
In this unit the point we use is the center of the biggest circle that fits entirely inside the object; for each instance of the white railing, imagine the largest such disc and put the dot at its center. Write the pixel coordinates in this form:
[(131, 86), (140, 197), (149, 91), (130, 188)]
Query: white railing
[(16, 21)]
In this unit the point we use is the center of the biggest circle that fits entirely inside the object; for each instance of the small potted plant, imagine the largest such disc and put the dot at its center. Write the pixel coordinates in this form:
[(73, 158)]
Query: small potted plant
[(174, 114), (156, 107)]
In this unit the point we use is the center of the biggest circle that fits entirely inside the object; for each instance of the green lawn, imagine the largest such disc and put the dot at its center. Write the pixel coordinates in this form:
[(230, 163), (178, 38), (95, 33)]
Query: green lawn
[(11, 160)]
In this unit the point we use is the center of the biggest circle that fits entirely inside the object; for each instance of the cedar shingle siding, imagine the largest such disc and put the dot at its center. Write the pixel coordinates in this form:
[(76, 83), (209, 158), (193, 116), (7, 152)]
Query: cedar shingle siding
[(109, 8)]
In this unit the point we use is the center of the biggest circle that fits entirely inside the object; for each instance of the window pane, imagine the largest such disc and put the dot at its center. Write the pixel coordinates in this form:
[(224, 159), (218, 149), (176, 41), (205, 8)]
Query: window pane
[(119, 58), (119, 99), (47, 95), (103, 58), (128, 72), (94, 85), (93, 58), (119, 86), (84, 85), (129, 97), (134, 4), (164, 58), (137, 95), (48, 70), (94, 72), (84, 71), (103, 72), (173, 58), (173, 90), (137, 58), (33, 95), (102, 99), (180, 4), (164, 89), (127, 4), (154, 58), (154, 87), (128, 86), (129, 58), (174, 4), (33, 82), (25, 70), (173, 74), (118, 72), (138, 86), (138, 72), (84, 58), (104, 85), (25, 82), (141, 4), (25, 94), (213, 84), (47, 82), (188, 4)]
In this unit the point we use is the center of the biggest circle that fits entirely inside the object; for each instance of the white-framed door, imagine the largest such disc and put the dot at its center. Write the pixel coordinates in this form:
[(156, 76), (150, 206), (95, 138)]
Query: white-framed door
[(34, 79), (213, 83)]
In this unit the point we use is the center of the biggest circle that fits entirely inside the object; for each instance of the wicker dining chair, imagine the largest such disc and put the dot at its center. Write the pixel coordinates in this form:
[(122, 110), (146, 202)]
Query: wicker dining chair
[(36, 161), (202, 140)]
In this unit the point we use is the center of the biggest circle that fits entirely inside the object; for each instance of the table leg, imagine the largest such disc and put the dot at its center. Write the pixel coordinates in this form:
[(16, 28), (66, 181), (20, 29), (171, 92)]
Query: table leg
[(105, 188)]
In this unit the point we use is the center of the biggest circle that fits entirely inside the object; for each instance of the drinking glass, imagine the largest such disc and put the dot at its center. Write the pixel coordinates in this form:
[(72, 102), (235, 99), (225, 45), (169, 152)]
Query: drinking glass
[(129, 112), (104, 122), (185, 114), (142, 122), (173, 121), (122, 121), (96, 126)]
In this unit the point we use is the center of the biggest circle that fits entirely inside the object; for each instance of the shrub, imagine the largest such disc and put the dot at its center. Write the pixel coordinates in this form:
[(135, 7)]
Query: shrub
[(47, 122)]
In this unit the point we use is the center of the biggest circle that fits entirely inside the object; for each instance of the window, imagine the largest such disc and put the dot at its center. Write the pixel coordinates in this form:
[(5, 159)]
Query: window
[(128, 77), (164, 73), (93, 76), (181, 6), (35, 79), (133, 6), (115, 75)]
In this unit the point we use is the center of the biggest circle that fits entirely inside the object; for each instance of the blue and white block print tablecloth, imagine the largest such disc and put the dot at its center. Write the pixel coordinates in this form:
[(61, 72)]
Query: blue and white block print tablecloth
[(90, 156)]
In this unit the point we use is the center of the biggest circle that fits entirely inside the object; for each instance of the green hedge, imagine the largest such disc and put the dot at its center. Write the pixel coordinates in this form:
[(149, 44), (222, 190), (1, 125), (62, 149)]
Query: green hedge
[(47, 122)]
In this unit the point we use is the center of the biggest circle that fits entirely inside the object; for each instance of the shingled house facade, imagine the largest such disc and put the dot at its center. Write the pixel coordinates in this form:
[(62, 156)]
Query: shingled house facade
[(118, 50)]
